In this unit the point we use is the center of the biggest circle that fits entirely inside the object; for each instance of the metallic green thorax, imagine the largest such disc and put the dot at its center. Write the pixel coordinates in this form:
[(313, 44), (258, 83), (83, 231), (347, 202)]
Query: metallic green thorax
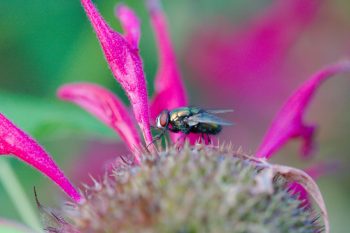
[(178, 122)]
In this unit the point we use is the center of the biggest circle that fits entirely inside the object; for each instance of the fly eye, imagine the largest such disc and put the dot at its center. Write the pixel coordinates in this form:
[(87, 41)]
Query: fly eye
[(163, 119)]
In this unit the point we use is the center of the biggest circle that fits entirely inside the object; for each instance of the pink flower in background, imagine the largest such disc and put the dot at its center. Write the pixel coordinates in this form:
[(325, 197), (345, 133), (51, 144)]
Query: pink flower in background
[(250, 58)]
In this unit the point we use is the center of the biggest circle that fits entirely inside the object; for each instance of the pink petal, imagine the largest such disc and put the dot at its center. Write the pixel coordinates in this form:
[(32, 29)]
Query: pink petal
[(288, 122), (169, 89), (126, 65), (130, 23), (104, 105), (16, 142)]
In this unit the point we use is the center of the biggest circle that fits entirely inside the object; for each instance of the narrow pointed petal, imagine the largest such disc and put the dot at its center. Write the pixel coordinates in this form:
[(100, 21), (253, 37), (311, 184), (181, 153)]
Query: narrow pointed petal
[(105, 106), (169, 89), (130, 23), (15, 142), (126, 65), (289, 123)]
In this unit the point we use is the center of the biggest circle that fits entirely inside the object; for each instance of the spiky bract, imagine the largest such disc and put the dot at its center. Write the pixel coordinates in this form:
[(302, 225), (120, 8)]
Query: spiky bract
[(196, 189)]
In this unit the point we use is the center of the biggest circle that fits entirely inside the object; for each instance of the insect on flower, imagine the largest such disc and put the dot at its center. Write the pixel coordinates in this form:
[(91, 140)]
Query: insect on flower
[(191, 120)]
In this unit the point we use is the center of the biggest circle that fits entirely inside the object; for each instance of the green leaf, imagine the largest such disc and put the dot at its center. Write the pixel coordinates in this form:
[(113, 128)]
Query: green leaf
[(44, 118), (7, 226)]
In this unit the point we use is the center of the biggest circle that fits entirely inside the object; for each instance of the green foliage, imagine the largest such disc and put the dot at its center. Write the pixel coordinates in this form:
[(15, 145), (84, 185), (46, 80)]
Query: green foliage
[(44, 118)]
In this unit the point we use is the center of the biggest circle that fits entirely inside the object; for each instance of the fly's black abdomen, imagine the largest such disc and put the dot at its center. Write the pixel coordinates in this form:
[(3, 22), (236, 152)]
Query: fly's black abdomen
[(192, 120), (206, 128)]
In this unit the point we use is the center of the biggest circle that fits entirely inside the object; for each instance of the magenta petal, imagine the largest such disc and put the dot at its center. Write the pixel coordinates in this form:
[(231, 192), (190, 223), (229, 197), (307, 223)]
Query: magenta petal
[(288, 122), (15, 142), (169, 89), (105, 106), (126, 65), (130, 23)]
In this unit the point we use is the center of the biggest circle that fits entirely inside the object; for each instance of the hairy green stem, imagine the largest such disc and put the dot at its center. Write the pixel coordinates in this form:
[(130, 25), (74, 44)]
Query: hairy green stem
[(16, 193)]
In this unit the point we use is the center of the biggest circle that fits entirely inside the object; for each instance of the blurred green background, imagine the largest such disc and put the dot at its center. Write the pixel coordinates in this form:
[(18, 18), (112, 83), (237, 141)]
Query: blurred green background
[(47, 43)]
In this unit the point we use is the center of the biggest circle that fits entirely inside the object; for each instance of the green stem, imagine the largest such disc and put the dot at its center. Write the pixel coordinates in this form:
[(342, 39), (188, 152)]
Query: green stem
[(18, 196)]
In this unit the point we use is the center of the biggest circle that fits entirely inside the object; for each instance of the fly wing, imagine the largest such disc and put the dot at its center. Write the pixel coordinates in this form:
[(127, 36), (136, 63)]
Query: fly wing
[(218, 111), (206, 117)]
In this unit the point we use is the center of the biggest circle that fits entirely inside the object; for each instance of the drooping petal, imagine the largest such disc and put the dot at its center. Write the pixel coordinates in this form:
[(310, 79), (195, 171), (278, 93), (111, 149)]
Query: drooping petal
[(169, 89), (289, 123), (125, 63), (15, 142), (130, 23), (105, 106)]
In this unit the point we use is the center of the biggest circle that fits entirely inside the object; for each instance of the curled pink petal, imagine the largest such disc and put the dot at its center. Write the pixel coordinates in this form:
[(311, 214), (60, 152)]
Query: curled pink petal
[(104, 105), (288, 122), (126, 65), (130, 23), (15, 142)]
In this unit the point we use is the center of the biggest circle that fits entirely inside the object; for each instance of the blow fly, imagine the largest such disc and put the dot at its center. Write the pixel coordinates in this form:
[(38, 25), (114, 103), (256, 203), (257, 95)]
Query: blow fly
[(191, 120)]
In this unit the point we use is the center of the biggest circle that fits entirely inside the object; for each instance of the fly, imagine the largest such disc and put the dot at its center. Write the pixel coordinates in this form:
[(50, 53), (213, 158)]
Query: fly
[(188, 120)]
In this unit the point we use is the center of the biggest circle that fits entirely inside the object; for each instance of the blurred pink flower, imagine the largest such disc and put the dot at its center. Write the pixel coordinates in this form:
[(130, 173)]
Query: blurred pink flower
[(249, 59)]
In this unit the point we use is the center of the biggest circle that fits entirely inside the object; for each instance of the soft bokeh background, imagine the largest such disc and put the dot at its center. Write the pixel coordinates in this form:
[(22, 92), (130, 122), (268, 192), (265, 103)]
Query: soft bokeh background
[(46, 43)]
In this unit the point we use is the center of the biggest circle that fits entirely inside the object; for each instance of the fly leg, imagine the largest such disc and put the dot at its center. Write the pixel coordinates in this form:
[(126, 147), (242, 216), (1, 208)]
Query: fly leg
[(156, 138), (202, 138), (209, 139), (180, 141)]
